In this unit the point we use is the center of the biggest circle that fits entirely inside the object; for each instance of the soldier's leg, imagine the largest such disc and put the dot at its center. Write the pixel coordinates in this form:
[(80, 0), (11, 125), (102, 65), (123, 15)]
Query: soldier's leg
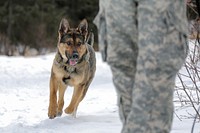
[(123, 81), (122, 51), (161, 55)]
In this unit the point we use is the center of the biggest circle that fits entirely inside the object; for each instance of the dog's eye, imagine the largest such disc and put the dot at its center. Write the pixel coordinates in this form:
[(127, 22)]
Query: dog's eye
[(79, 43), (69, 43)]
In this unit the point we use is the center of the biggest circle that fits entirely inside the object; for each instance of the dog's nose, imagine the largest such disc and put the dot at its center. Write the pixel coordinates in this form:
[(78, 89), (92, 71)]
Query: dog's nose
[(75, 55)]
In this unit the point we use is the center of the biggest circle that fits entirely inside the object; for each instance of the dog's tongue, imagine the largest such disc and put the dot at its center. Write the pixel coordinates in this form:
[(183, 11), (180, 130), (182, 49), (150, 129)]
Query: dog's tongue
[(72, 62)]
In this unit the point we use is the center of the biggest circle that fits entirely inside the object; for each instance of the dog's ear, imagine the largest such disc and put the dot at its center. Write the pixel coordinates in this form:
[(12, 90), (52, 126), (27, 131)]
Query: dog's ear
[(83, 27), (64, 26)]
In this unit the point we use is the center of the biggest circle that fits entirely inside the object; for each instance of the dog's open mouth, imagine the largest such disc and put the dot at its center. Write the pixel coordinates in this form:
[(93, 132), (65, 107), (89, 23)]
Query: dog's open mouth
[(73, 62)]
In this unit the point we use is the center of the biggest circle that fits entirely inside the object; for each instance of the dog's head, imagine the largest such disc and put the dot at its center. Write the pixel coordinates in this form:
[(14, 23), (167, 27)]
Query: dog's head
[(71, 41)]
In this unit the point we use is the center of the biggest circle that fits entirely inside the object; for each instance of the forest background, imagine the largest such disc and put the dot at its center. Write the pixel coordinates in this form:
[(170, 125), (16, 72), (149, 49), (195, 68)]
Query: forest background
[(30, 27)]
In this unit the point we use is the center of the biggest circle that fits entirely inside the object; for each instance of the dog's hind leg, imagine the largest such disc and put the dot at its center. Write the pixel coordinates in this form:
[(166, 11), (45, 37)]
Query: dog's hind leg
[(62, 89)]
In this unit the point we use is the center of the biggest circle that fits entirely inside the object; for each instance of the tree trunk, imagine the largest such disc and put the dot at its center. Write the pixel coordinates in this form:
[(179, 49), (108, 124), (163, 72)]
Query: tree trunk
[(10, 14)]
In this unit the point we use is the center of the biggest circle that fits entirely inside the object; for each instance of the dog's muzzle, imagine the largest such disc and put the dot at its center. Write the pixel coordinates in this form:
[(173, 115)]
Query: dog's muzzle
[(74, 59)]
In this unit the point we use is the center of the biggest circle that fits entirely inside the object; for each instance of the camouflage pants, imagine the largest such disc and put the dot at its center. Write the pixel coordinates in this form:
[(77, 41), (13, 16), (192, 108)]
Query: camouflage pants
[(145, 44)]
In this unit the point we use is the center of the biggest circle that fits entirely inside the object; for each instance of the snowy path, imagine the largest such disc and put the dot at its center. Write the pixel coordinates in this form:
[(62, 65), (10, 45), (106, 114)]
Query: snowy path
[(24, 95)]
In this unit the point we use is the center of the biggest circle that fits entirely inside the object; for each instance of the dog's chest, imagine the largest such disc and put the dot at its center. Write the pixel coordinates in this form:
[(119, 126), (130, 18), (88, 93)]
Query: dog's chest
[(70, 76), (74, 78)]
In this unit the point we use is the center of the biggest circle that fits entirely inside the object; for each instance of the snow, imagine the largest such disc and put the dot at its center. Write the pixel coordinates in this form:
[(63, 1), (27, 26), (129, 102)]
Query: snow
[(24, 99)]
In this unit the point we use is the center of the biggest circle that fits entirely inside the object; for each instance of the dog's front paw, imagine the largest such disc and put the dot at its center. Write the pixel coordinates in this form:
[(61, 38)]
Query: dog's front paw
[(69, 110), (52, 113), (51, 116)]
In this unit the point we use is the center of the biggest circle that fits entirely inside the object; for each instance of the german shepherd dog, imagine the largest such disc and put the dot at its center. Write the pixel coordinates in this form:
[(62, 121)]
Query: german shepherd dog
[(74, 65)]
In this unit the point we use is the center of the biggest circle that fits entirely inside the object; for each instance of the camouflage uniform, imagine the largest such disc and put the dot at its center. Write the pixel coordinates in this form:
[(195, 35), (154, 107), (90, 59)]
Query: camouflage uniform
[(144, 42)]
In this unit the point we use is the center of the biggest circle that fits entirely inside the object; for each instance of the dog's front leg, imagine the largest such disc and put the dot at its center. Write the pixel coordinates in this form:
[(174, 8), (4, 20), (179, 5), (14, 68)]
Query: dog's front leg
[(72, 108), (78, 95), (53, 97), (62, 88)]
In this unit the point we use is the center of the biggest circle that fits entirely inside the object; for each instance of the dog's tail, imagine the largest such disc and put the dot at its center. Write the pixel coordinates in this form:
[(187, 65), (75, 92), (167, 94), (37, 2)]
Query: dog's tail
[(90, 39)]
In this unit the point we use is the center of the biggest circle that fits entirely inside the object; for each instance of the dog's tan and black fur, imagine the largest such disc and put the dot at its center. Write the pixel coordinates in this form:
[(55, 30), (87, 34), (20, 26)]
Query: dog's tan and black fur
[(74, 65)]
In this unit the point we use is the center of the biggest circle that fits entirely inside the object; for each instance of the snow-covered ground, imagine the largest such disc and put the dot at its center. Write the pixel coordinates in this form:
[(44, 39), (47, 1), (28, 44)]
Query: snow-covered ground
[(24, 99)]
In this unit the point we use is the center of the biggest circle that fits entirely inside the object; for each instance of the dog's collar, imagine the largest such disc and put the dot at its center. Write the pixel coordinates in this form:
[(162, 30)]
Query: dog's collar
[(59, 61)]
